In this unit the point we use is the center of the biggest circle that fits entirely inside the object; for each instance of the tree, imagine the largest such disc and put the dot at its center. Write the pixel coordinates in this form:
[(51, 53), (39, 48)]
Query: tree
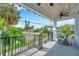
[(28, 27), (10, 13), (27, 23), (43, 29), (36, 30), (67, 29)]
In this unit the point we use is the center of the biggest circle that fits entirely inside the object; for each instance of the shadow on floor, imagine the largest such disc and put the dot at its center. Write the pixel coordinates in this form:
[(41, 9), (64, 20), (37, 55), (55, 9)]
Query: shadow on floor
[(61, 50)]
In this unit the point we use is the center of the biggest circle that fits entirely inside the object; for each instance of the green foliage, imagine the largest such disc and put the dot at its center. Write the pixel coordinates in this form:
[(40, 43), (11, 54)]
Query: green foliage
[(17, 44), (10, 13), (67, 29), (36, 30), (13, 31), (43, 29), (1, 23), (21, 29)]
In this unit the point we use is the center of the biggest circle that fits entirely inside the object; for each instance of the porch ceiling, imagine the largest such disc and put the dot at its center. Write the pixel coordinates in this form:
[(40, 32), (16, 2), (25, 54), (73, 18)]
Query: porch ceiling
[(55, 11)]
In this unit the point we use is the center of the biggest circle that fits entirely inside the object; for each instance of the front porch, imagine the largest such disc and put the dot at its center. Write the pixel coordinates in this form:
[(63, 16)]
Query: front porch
[(51, 48), (37, 44)]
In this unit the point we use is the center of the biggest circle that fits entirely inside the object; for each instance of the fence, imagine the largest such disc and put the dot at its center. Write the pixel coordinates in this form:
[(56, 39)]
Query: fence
[(17, 44)]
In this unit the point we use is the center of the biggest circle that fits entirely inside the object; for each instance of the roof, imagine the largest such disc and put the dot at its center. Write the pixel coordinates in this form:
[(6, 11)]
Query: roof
[(59, 11)]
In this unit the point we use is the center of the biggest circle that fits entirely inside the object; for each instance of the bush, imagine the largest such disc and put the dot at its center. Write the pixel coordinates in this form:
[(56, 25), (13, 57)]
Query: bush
[(1, 23), (12, 31), (18, 44)]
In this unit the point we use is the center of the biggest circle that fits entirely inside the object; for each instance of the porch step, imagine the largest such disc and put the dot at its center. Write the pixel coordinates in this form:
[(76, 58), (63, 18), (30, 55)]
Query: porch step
[(40, 53), (28, 52), (46, 48)]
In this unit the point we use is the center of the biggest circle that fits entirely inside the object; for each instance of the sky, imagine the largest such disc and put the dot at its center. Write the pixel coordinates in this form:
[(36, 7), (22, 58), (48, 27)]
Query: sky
[(28, 15)]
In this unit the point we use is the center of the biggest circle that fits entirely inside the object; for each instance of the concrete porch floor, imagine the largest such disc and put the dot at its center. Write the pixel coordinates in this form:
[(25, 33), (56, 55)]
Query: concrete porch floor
[(52, 49)]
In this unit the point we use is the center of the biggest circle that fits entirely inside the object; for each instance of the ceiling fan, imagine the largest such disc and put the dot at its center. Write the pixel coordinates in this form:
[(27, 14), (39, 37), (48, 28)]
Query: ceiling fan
[(63, 14)]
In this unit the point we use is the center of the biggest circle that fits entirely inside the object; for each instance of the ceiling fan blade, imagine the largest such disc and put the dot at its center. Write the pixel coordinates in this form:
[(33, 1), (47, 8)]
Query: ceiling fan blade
[(66, 13)]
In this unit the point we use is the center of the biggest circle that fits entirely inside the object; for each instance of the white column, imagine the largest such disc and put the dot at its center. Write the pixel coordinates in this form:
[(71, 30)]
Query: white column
[(77, 27), (55, 31)]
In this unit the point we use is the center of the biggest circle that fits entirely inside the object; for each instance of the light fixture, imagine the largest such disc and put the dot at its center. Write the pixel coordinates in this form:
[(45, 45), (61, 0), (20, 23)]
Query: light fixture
[(51, 4), (38, 4)]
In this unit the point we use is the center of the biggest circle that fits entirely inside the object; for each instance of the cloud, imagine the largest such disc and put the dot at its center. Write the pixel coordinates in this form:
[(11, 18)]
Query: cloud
[(18, 7)]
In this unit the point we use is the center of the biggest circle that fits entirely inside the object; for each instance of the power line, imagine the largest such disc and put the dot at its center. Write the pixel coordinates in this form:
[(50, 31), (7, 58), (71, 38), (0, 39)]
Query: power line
[(36, 23)]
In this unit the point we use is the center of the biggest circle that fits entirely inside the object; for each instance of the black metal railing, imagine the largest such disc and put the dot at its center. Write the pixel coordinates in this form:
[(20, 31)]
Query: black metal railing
[(13, 45)]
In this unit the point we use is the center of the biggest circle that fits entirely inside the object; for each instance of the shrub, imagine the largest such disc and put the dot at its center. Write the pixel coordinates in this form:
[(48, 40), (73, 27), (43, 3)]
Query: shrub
[(1, 23), (12, 31)]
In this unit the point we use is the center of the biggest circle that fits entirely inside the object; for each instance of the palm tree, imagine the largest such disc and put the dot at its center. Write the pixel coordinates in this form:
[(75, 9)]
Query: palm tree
[(10, 13), (27, 23)]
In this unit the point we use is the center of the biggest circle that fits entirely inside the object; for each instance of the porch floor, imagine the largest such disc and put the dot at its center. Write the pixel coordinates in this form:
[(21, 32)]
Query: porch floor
[(52, 49)]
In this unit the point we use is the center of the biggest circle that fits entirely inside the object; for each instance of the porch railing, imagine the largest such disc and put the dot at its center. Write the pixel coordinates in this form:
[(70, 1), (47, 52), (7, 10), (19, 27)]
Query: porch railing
[(17, 44)]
